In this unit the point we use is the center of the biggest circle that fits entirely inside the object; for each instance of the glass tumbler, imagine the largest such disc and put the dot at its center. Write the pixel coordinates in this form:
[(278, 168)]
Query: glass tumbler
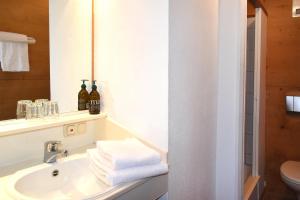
[(54, 108), (31, 111), (43, 102), (47, 108), (21, 108), (51, 109), (39, 110)]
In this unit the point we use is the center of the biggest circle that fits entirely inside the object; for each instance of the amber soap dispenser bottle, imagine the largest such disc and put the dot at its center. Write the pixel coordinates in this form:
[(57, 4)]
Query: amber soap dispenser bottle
[(94, 100), (83, 97)]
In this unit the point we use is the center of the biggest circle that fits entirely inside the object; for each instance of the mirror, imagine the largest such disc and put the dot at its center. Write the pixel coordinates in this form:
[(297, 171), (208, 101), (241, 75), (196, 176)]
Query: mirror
[(59, 59), (31, 19)]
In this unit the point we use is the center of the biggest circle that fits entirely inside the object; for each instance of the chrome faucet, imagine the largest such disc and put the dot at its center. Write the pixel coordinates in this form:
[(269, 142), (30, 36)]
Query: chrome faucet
[(52, 149)]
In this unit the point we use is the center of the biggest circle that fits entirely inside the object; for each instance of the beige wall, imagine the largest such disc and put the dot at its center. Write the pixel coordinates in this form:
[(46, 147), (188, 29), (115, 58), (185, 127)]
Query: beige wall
[(131, 62), (193, 79), (70, 50), (231, 80)]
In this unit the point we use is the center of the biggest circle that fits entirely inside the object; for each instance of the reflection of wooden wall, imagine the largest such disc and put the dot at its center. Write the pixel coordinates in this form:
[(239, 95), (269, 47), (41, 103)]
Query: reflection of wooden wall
[(250, 9), (283, 75), (30, 18)]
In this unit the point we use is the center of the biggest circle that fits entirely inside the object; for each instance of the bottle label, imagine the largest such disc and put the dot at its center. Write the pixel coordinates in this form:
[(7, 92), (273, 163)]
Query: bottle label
[(82, 105), (94, 106)]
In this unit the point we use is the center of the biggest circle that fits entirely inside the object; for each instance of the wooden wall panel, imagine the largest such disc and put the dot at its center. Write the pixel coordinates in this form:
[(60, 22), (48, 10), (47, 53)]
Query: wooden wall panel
[(250, 9), (283, 70), (30, 18)]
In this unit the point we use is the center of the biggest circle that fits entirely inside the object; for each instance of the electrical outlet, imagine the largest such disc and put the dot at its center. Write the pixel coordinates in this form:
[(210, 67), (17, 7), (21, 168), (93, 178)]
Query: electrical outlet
[(74, 129), (70, 130)]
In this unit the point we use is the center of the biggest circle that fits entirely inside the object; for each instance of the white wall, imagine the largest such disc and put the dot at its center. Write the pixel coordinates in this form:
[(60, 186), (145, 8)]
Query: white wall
[(70, 49), (232, 43), (131, 61), (193, 83)]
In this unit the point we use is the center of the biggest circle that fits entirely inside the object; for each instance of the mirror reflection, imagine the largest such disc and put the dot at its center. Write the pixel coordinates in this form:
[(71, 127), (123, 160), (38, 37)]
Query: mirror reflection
[(57, 38), (24, 53)]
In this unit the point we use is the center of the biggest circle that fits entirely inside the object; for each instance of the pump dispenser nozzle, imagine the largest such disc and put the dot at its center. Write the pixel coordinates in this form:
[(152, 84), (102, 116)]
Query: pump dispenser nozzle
[(83, 86), (94, 86)]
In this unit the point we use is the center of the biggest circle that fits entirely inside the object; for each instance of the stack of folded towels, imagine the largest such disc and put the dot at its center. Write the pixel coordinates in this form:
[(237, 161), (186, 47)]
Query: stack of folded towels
[(121, 161)]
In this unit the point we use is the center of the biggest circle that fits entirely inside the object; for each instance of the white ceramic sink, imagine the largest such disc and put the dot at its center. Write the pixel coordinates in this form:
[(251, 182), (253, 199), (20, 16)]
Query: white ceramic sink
[(73, 181)]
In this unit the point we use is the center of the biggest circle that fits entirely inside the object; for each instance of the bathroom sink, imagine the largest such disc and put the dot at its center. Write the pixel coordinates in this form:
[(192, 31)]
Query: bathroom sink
[(69, 178)]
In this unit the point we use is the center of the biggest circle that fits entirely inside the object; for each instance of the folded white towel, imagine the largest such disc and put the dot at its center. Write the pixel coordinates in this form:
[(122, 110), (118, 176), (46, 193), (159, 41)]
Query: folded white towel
[(13, 52), (93, 154), (127, 153), (115, 177)]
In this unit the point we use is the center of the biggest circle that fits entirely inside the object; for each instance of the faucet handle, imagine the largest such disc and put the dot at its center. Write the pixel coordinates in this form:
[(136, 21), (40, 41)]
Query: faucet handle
[(65, 153), (53, 146)]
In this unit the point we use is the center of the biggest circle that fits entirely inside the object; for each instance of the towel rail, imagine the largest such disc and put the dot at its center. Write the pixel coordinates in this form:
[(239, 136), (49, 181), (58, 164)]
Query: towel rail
[(30, 40)]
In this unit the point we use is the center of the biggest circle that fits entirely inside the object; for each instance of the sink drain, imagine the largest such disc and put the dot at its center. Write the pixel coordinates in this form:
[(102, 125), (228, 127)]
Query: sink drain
[(55, 173)]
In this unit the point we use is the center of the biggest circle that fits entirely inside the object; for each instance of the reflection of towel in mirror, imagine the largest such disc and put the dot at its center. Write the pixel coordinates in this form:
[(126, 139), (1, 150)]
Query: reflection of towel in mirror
[(13, 52)]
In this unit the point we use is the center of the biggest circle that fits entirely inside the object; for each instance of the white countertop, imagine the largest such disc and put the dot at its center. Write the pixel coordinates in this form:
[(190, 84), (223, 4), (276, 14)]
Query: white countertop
[(12, 127)]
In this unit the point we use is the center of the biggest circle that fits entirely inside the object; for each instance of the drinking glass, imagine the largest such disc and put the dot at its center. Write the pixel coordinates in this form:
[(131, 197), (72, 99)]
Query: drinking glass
[(31, 111), (51, 109), (21, 108), (54, 108), (47, 108), (39, 110)]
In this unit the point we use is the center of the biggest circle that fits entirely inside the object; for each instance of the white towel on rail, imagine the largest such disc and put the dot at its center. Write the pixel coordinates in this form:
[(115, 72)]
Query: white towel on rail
[(121, 154), (12, 37), (13, 52), (115, 177)]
